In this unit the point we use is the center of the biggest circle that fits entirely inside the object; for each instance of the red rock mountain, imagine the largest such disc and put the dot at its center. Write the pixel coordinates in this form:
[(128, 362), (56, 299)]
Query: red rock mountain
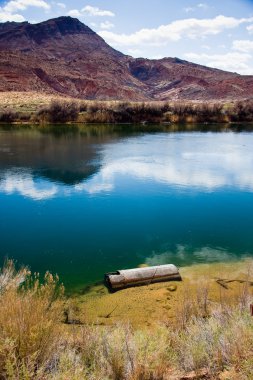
[(64, 56)]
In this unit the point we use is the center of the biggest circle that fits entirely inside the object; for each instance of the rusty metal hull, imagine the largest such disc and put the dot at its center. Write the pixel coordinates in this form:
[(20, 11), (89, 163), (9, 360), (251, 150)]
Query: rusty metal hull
[(141, 276)]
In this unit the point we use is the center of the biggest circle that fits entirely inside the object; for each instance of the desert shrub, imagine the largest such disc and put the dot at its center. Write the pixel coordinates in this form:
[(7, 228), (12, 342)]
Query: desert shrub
[(117, 353), (242, 111), (94, 111), (58, 112), (223, 340), (209, 338), (24, 116), (8, 116), (83, 107), (123, 111), (30, 312)]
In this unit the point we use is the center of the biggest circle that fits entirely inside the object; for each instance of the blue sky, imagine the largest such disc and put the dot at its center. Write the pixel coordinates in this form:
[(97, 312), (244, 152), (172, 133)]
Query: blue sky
[(216, 33)]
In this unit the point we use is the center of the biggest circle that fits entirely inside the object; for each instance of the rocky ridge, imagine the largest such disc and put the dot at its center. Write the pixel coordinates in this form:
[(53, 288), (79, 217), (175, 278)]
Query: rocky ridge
[(64, 56)]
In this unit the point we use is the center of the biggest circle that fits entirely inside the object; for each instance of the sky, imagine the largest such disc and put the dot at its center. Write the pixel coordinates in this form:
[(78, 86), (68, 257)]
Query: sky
[(215, 33)]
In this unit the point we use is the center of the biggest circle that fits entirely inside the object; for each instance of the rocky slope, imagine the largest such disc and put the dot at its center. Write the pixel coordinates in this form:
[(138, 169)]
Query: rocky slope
[(66, 57)]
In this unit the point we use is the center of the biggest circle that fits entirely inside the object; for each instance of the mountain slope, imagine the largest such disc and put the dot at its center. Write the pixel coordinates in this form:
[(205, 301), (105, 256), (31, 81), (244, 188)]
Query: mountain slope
[(65, 56)]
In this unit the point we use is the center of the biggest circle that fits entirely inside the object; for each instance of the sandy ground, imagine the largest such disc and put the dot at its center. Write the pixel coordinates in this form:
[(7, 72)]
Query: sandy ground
[(166, 302), (26, 101)]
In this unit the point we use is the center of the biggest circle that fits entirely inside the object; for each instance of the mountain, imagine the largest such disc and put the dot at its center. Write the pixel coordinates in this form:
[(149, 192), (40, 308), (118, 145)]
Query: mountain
[(65, 56)]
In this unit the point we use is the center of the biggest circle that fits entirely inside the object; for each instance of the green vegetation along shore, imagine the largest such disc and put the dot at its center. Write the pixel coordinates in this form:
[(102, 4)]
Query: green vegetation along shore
[(204, 332), (48, 109)]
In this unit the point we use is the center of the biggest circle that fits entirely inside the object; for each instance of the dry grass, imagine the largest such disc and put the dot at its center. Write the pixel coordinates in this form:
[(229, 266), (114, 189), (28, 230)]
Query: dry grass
[(209, 340), (26, 101), (40, 108), (29, 317)]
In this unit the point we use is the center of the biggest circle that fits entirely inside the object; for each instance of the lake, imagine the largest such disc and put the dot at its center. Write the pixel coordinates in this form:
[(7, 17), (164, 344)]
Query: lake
[(82, 201)]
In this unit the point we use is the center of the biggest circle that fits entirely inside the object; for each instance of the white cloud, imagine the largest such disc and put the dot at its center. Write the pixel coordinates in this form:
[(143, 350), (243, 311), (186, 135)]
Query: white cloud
[(6, 16), (232, 61), (189, 9), (61, 5), (203, 6), (75, 13), (21, 5), (246, 46), (188, 28), (106, 25), (95, 11), (250, 29), (7, 13), (157, 56), (135, 52), (206, 47)]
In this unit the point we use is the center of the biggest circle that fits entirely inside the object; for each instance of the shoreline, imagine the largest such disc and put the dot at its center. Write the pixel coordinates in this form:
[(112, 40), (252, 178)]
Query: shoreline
[(145, 306), (44, 109)]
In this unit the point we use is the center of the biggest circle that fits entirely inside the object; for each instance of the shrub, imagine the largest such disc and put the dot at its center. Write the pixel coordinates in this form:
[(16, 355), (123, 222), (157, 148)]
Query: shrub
[(209, 339), (58, 112), (8, 116), (242, 111), (29, 323)]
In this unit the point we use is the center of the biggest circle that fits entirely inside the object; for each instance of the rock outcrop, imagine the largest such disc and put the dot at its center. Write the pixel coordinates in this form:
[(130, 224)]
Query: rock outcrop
[(65, 56)]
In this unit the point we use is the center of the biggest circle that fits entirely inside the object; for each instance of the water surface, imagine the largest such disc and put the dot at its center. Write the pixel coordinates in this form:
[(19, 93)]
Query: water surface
[(84, 201)]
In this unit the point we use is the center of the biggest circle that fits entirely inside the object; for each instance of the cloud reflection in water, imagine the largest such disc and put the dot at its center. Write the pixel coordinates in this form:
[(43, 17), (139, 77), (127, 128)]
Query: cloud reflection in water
[(24, 184), (183, 254), (202, 161)]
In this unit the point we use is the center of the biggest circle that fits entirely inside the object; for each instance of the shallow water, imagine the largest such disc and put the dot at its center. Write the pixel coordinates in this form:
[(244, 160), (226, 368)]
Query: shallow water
[(82, 201)]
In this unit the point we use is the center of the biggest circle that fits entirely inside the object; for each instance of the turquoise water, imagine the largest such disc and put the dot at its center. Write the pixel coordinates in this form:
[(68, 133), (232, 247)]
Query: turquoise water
[(85, 201)]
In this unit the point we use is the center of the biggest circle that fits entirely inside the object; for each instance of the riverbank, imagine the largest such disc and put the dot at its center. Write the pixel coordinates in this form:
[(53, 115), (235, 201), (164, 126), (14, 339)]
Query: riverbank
[(208, 336), (42, 108), (203, 287)]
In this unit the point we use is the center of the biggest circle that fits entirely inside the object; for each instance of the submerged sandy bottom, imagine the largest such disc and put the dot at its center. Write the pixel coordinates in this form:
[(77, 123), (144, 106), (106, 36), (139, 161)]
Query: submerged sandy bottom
[(219, 283)]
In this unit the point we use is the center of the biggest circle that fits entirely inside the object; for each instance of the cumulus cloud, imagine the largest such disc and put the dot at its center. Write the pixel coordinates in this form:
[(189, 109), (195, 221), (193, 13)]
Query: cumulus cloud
[(106, 25), (188, 28), (250, 29), (61, 5), (21, 5), (189, 9), (135, 52), (231, 61), (7, 13), (202, 6), (206, 47), (6, 16), (95, 11), (75, 13), (246, 46)]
